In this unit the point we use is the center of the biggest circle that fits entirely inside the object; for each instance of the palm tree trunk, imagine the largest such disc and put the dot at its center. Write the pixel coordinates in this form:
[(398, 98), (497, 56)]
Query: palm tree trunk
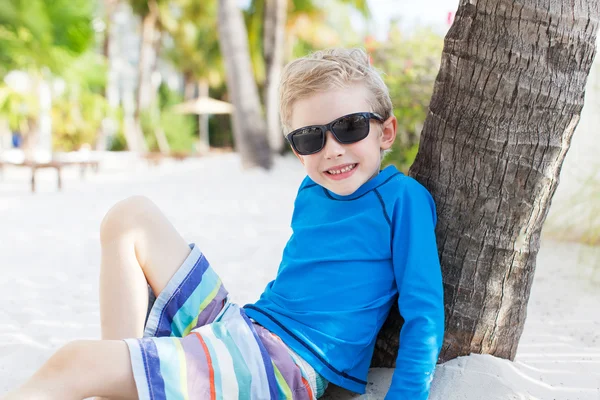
[(109, 9), (29, 131), (103, 132), (506, 102), (144, 88), (159, 133), (249, 126), (275, 13), (161, 140), (189, 86), (203, 118)]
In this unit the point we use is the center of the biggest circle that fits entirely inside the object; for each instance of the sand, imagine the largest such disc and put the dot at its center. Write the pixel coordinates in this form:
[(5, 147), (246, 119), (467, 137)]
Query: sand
[(49, 263)]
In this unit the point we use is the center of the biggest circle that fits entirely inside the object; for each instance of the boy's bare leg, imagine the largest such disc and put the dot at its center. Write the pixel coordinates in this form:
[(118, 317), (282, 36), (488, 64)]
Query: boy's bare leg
[(82, 369), (139, 247)]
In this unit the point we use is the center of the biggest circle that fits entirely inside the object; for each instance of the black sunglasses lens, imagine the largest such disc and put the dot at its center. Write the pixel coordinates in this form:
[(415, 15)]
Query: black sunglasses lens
[(308, 140), (351, 129)]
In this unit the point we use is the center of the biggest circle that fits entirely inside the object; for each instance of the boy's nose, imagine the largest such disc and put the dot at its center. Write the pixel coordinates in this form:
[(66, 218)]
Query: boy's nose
[(333, 148)]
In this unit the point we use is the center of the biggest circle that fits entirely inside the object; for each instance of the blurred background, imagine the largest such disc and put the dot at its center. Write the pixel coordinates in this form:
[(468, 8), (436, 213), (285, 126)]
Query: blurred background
[(86, 82), (137, 92), (142, 76)]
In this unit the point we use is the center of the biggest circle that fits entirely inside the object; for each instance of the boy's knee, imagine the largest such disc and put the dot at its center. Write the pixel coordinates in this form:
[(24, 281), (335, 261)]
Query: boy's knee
[(122, 217), (65, 357)]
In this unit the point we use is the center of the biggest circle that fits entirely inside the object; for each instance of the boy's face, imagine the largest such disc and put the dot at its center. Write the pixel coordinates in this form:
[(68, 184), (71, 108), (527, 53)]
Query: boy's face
[(342, 168)]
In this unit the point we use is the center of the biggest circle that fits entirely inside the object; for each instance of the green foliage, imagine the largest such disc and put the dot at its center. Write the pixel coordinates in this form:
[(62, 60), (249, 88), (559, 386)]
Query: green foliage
[(37, 34), (179, 129), (310, 25), (117, 142), (18, 108), (139, 7), (77, 119), (303, 6), (221, 134), (253, 17), (410, 65), (88, 71), (38, 37), (401, 156), (78, 113), (219, 126), (193, 47)]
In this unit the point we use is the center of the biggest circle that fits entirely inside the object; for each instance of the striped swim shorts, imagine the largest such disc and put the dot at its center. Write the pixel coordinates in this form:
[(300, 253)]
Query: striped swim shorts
[(199, 345)]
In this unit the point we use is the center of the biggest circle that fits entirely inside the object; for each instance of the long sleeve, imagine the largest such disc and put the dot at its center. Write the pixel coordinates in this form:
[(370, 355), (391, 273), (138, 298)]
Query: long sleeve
[(419, 282)]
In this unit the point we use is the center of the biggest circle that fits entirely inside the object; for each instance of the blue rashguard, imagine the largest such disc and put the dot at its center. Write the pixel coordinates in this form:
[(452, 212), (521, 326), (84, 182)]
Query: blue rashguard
[(345, 263)]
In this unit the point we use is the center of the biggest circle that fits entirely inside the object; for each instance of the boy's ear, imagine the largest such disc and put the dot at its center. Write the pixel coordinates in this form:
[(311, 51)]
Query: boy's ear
[(388, 134), (298, 155)]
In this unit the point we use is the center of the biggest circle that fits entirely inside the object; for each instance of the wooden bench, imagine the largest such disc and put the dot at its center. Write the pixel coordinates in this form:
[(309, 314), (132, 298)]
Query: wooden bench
[(53, 164)]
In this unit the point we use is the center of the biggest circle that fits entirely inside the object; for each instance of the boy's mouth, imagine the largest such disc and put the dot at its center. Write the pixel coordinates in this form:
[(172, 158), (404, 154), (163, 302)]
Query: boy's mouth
[(340, 170)]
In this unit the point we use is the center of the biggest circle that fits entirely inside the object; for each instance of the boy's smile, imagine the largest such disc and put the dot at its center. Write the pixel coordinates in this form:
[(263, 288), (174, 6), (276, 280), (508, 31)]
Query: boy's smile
[(342, 171), (342, 168)]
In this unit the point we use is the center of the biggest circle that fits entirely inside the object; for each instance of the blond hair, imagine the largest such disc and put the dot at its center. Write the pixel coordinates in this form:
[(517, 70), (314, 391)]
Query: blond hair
[(331, 69)]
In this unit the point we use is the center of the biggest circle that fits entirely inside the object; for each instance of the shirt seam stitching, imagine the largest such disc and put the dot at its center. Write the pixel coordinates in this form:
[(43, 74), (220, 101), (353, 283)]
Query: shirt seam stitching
[(331, 367), (365, 193), (385, 213), (308, 186)]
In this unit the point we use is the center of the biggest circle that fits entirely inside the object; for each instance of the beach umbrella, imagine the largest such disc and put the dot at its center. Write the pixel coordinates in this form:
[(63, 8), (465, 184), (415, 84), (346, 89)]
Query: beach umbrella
[(203, 106)]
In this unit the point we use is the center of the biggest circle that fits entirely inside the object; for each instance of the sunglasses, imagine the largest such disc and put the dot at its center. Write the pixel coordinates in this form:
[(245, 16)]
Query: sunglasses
[(348, 129)]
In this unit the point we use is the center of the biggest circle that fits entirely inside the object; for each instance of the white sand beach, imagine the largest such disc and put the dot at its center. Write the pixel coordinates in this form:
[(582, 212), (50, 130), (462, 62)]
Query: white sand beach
[(49, 265)]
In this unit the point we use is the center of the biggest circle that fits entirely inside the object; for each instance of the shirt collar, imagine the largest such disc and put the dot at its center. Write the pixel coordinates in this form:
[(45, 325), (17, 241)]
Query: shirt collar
[(369, 185)]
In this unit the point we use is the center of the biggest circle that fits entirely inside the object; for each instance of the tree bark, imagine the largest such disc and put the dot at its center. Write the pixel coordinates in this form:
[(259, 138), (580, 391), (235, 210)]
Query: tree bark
[(249, 127), (506, 101), (110, 7), (144, 88), (275, 13), (189, 86), (153, 100)]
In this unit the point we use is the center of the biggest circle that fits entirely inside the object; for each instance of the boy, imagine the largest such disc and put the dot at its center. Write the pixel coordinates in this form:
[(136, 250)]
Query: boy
[(361, 238)]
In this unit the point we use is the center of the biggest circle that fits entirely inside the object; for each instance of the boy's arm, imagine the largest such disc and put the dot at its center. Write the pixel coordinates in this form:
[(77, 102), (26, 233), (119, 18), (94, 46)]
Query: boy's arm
[(419, 280)]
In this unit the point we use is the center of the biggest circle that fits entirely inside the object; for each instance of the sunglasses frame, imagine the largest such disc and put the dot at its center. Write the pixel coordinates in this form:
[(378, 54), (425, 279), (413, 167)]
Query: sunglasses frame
[(329, 127)]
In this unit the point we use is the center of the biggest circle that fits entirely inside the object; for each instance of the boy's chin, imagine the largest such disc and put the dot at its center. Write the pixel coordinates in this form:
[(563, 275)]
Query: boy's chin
[(341, 190)]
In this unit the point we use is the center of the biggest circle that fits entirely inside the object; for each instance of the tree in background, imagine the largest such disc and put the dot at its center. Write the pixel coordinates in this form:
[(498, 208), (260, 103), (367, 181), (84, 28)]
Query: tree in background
[(506, 101), (271, 27), (108, 9), (37, 34), (149, 12), (188, 41), (194, 51), (410, 63), (20, 110), (274, 18), (80, 108), (249, 126), (313, 25), (42, 39)]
